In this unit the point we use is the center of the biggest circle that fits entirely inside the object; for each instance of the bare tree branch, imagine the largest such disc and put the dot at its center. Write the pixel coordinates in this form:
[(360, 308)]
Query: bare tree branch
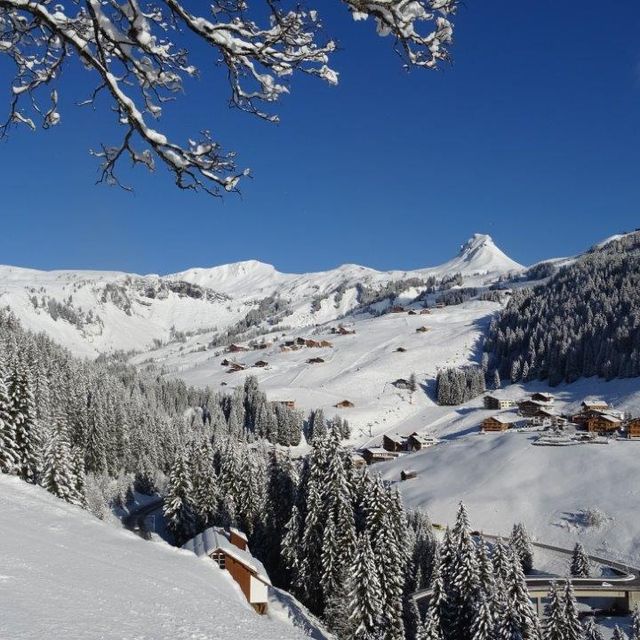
[(130, 45)]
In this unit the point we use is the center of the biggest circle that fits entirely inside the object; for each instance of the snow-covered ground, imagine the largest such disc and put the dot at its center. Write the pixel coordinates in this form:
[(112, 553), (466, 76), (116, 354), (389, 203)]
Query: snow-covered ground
[(144, 590), (504, 479)]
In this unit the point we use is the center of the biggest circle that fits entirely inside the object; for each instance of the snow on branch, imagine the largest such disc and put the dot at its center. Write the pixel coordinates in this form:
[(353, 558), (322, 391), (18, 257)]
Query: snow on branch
[(137, 53)]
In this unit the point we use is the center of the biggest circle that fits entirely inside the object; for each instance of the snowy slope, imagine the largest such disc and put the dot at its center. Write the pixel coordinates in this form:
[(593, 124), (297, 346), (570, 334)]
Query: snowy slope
[(96, 312), (65, 574)]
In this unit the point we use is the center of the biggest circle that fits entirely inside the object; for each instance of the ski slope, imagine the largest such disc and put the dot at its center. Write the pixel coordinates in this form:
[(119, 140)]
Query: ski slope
[(52, 551)]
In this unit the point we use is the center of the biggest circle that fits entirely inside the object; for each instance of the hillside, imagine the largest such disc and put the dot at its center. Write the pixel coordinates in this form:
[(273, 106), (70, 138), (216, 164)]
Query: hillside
[(51, 551), (98, 312)]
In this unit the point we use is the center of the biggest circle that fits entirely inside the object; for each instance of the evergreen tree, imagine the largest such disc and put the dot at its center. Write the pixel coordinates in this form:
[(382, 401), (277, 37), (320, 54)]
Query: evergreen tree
[(618, 634), (635, 623), (9, 455), (178, 506), (58, 474), (431, 628), (555, 616), (23, 415), (483, 624), (572, 626), (522, 547), (365, 597), (580, 564), (591, 630)]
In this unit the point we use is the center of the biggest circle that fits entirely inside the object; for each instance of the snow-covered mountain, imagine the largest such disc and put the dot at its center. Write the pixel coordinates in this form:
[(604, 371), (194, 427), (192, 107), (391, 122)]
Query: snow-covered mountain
[(94, 312)]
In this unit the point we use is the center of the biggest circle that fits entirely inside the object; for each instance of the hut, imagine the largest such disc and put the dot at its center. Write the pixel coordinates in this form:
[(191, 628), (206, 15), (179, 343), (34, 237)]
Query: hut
[(344, 404), (230, 551), (422, 329), (408, 475), (261, 364), (315, 361)]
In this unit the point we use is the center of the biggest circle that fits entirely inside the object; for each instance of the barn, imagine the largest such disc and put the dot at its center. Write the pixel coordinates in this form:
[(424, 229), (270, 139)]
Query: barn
[(230, 551)]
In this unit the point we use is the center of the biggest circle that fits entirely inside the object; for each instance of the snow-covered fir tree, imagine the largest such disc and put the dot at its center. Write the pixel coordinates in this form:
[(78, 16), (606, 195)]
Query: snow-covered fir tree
[(178, 504), (58, 475), (522, 547), (580, 564), (365, 596)]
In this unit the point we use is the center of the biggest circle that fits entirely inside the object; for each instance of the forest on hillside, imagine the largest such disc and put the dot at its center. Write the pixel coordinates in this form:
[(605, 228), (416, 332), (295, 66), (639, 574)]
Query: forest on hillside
[(584, 321)]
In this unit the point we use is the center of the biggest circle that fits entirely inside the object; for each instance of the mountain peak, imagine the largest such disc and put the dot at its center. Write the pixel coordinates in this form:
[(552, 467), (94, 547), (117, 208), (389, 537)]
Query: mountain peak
[(480, 254)]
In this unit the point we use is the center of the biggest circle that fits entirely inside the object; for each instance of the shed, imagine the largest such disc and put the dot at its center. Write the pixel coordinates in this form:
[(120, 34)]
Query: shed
[(408, 475), (422, 329), (261, 363), (229, 550), (344, 404), (315, 361)]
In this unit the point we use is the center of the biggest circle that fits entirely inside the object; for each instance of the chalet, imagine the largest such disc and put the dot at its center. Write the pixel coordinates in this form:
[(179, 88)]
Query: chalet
[(225, 363), (315, 361), (342, 331), (412, 313), (422, 329), (344, 404), (261, 364), (408, 475), (401, 383), (291, 404), (425, 312), (547, 398), (548, 417), (440, 305), (312, 344), (530, 408), (416, 442), (377, 454), (234, 367), (396, 309), (603, 423), (236, 348), (502, 422), (494, 401), (633, 428), (301, 342), (326, 343), (394, 442), (594, 404), (229, 550)]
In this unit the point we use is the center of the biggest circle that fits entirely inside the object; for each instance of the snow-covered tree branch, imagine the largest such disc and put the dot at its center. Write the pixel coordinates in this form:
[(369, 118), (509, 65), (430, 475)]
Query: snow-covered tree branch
[(136, 52)]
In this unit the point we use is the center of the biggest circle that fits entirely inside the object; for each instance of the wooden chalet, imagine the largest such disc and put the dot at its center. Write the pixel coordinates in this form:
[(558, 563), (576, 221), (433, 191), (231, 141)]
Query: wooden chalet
[(377, 454), (401, 383), (261, 364), (344, 404), (342, 331), (234, 367), (425, 312), (532, 407), (393, 442), (633, 428), (603, 423), (417, 442), (236, 348), (408, 475), (411, 312), (501, 422), (495, 401), (594, 404), (547, 398), (315, 361), (230, 551)]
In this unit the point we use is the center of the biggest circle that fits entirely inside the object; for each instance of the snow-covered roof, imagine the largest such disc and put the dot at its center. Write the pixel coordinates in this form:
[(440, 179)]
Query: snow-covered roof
[(214, 539), (395, 437), (379, 451), (610, 417), (508, 417), (594, 402)]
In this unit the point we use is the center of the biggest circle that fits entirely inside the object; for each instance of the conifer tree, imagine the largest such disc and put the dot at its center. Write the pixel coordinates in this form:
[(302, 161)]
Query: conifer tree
[(580, 564), (591, 630), (555, 621), (572, 626), (618, 634), (23, 415), (9, 456), (365, 597), (522, 547), (483, 625), (58, 476), (178, 506), (431, 628), (635, 623)]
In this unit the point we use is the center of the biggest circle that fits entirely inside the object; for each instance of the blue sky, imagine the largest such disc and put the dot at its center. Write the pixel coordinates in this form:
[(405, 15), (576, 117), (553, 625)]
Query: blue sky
[(532, 136)]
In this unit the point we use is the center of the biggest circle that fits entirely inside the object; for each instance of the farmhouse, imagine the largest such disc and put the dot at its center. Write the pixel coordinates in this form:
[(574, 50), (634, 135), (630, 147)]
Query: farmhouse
[(603, 422), (377, 454), (633, 428), (495, 401), (394, 442), (502, 422), (229, 550)]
